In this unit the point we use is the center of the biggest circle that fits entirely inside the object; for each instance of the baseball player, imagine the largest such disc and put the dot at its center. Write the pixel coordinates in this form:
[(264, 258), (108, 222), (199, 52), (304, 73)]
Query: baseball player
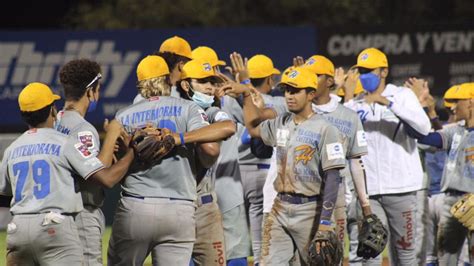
[(253, 170), (37, 170), (81, 82), (157, 208), (226, 173), (457, 174), (198, 85), (303, 173), (176, 51), (393, 166)]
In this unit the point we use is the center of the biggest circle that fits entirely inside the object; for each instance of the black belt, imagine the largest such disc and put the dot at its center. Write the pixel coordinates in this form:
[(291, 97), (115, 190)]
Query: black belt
[(295, 198), (125, 194)]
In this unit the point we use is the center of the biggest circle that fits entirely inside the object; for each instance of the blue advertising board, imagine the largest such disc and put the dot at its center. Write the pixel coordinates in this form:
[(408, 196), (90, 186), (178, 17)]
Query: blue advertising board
[(29, 56)]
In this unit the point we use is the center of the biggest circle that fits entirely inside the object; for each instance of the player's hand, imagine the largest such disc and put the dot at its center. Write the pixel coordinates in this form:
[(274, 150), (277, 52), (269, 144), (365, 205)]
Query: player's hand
[(239, 65), (351, 83), (113, 128), (257, 98), (298, 61), (339, 77)]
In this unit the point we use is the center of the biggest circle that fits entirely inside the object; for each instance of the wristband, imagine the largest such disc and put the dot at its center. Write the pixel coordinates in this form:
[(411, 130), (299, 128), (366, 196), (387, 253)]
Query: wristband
[(246, 95), (434, 118), (245, 82), (325, 222), (390, 104), (181, 137)]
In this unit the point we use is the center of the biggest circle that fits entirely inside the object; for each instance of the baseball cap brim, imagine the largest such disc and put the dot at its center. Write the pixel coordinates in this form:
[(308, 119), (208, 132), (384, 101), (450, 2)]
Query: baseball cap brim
[(276, 71), (221, 63)]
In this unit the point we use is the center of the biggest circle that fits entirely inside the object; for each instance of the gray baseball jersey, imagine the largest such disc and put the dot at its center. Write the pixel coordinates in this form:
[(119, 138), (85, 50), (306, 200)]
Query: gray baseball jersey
[(348, 123), (73, 124), (36, 170), (174, 176), (458, 172), (226, 172), (303, 152)]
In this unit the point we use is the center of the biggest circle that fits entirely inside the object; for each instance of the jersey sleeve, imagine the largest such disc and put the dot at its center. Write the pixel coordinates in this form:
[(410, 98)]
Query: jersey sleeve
[(279, 105), (5, 185), (81, 159), (407, 107), (232, 107), (215, 114), (332, 151), (197, 117), (447, 134), (268, 131), (358, 147), (89, 136)]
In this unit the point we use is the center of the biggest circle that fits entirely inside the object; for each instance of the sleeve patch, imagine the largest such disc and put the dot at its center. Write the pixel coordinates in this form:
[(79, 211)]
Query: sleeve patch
[(361, 139), (87, 139), (222, 116), (83, 150), (334, 151)]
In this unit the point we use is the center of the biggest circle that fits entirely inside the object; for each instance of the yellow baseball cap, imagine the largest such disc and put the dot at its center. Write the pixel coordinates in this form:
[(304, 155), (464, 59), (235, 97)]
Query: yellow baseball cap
[(261, 66), (300, 78), (207, 54), (320, 65), (36, 96), (197, 69), (152, 66), (177, 45), (358, 89), (372, 58), (463, 91)]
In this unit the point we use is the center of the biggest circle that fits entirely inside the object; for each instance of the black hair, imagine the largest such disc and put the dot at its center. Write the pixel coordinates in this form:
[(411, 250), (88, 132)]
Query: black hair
[(37, 117), (182, 93), (284, 87), (258, 81), (172, 59), (76, 75)]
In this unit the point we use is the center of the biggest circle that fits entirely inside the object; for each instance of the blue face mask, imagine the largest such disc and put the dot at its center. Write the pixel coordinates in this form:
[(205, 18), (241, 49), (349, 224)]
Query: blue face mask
[(92, 106), (203, 100), (370, 82)]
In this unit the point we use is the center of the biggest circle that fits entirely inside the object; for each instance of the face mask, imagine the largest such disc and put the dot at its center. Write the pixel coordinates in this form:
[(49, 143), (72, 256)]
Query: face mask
[(370, 82), (92, 106), (203, 100)]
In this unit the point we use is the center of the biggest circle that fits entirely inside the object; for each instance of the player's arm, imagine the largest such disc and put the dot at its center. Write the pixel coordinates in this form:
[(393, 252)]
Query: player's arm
[(109, 177), (329, 196), (91, 168), (359, 180), (211, 133), (106, 153), (332, 160)]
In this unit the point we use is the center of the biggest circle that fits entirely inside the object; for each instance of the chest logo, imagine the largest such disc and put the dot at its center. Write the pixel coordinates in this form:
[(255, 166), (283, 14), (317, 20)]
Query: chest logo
[(304, 154)]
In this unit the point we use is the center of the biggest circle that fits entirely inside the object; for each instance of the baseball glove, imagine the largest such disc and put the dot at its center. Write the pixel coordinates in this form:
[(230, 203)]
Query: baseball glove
[(330, 249), (372, 237), (151, 145), (463, 211)]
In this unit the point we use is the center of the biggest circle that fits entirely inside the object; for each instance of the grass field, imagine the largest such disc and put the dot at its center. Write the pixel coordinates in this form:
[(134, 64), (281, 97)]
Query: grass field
[(105, 245)]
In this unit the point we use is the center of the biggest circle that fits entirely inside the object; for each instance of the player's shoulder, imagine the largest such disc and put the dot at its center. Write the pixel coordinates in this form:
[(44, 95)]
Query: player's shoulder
[(398, 91)]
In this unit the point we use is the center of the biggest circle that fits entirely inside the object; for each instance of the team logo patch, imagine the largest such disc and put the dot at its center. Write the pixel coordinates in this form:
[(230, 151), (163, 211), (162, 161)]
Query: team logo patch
[(293, 74), (282, 137), (334, 151), (83, 150), (310, 62), (86, 138), (207, 67), (364, 56)]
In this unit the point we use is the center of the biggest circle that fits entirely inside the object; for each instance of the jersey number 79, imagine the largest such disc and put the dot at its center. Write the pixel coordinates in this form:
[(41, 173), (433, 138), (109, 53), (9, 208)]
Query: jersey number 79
[(41, 177)]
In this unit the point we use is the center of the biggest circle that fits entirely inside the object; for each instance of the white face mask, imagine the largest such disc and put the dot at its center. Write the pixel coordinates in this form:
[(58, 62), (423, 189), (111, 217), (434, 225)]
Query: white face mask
[(203, 100)]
